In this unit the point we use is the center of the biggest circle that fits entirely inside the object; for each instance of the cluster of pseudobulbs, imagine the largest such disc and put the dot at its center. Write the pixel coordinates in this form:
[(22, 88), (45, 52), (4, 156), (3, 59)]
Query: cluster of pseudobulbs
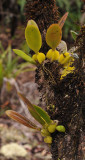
[(53, 39)]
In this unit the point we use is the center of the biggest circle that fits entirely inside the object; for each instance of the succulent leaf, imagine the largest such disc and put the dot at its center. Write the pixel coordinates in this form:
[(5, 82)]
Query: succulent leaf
[(24, 56), (33, 37), (53, 36), (32, 22), (21, 119), (32, 110), (43, 114)]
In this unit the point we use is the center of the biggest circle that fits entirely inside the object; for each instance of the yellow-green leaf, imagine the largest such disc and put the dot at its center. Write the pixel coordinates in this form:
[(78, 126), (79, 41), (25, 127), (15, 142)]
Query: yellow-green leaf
[(43, 114), (21, 119), (53, 36), (24, 56), (32, 22), (33, 37), (32, 110)]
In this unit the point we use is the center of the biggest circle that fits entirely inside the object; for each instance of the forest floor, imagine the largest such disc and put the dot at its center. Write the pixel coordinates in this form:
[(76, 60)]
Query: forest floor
[(13, 135)]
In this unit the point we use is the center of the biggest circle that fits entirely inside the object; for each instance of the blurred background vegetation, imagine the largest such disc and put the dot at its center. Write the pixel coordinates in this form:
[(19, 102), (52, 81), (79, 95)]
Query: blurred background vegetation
[(12, 12), (75, 18)]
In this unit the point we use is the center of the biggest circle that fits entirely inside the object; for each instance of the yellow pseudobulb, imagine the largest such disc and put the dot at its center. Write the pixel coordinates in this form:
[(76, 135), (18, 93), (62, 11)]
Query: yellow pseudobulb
[(48, 139), (65, 58), (62, 57), (52, 128), (40, 57), (44, 132), (52, 55), (60, 128), (34, 57)]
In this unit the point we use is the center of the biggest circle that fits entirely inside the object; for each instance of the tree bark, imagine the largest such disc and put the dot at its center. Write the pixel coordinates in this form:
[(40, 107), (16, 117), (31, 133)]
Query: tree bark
[(67, 95)]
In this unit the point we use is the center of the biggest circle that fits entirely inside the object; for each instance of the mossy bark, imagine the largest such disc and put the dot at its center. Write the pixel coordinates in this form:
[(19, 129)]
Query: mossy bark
[(44, 13), (64, 99)]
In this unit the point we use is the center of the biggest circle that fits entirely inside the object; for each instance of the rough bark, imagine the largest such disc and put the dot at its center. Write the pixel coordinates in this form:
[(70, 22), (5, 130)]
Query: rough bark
[(44, 12), (67, 95)]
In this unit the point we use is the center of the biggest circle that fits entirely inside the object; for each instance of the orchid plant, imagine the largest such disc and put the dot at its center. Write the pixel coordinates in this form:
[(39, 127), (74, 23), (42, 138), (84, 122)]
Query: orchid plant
[(48, 126), (53, 39)]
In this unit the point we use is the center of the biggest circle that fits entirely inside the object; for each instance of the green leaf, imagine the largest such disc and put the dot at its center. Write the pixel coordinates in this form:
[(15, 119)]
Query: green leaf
[(24, 56), (33, 37), (53, 36), (43, 114), (32, 110), (4, 53), (21, 119), (74, 34)]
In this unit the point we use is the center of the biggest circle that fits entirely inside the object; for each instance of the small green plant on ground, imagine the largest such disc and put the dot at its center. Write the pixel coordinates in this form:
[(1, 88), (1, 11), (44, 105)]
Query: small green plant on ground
[(9, 67)]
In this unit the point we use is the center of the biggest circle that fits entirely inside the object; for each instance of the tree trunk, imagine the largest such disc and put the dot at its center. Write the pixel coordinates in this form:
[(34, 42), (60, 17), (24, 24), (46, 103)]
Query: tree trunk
[(64, 98)]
